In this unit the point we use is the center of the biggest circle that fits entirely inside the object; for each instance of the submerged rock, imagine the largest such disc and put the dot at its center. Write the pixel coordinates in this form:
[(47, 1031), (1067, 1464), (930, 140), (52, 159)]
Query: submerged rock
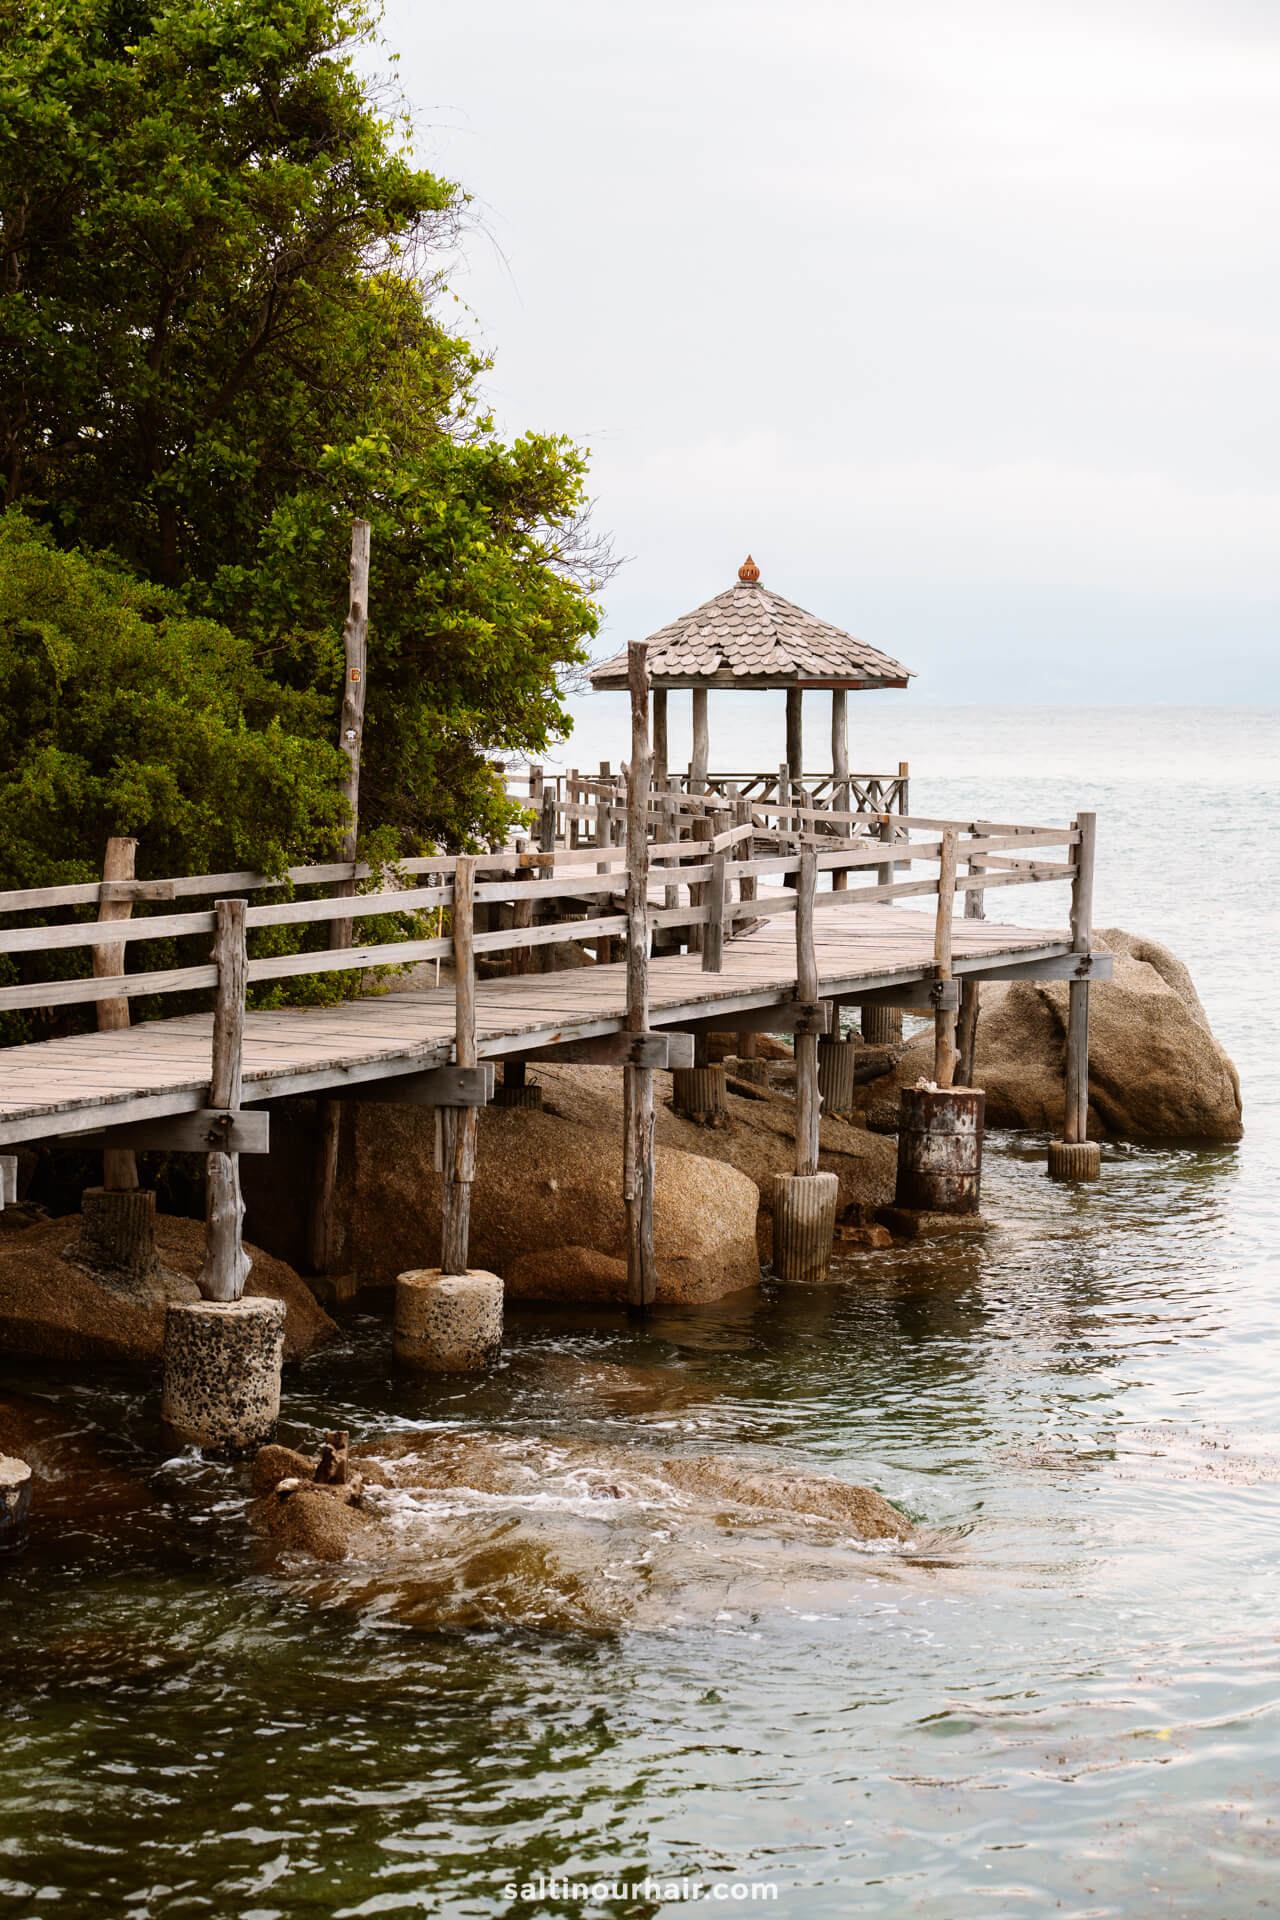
[(1156, 1070), (468, 1528), (56, 1309)]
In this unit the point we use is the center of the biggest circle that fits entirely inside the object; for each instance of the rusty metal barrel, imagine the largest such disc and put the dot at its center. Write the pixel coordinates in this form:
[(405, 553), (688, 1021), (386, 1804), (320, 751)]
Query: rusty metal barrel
[(940, 1149)]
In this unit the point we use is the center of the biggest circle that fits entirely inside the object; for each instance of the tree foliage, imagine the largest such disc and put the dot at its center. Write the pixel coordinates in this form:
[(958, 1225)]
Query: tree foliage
[(219, 339), (129, 714)]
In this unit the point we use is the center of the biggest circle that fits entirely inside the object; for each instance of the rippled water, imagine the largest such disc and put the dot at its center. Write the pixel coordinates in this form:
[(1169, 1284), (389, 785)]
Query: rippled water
[(1070, 1704)]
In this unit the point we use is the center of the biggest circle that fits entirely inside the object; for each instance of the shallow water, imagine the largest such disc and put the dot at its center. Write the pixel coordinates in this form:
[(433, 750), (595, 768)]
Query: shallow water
[(1069, 1704)]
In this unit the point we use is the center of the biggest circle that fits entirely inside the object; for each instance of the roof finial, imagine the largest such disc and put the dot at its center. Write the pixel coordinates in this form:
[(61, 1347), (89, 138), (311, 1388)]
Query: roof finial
[(748, 572)]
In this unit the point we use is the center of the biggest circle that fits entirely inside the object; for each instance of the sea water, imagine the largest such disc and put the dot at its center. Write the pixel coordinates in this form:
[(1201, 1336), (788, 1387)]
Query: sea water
[(1069, 1705)]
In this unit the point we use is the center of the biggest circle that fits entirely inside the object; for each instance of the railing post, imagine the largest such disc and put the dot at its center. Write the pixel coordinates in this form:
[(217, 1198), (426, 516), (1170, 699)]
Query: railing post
[(637, 1119), (1077, 1157), (882, 1026), (967, 1023), (713, 933), (808, 1101), (944, 1023), (226, 1264), (702, 831), (458, 1125), (804, 1204)]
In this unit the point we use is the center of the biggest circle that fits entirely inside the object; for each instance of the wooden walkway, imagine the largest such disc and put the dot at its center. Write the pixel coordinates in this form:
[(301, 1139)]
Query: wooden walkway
[(87, 1081)]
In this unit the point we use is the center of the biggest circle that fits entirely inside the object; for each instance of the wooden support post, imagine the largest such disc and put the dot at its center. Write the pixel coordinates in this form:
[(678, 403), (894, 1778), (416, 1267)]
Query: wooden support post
[(701, 760), (713, 933), (660, 738), (119, 1164), (702, 831), (535, 787), (808, 1099), (226, 1264), (944, 1020), (970, 992), (840, 773), (795, 733), (459, 1125), (882, 1026), (322, 1225), (1077, 1157), (638, 1125), (748, 1044), (521, 917), (573, 794), (355, 637)]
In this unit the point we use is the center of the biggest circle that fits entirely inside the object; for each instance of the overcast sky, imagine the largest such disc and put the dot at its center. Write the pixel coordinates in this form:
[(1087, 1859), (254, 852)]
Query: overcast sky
[(963, 318)]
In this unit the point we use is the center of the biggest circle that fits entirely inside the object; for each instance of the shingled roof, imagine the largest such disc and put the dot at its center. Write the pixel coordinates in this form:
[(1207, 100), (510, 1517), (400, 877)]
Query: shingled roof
[(752, 637)]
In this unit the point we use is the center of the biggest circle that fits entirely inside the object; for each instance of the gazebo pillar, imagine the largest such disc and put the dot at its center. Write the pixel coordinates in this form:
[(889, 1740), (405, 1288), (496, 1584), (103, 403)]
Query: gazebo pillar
[(699, 763), (840, 744), (659, 737), (795, 733)]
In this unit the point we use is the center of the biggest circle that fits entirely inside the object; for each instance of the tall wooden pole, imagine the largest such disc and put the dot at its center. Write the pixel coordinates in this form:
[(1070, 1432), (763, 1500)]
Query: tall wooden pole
[(795, 732), (637, 1144), (119, 1164), (459, 1125), (701, 759), (321, 1232), (840, 770), (660, 737), (1076, 1127), (226, 1264), (808, 1099), (944, 1023), (967, 1023)]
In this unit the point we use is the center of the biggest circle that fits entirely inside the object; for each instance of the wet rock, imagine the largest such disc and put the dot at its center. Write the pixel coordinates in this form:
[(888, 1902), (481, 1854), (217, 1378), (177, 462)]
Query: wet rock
[(1156, 1070), (54, 1308), (467, 1528)]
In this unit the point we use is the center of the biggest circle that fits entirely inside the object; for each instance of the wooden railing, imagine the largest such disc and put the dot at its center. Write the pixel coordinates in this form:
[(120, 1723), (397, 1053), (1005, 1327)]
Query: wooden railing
[(710, 858)]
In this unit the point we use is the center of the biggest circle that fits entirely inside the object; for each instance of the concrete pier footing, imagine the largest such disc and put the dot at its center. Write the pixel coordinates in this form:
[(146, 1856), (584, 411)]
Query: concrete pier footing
[(222, 1372), (118, 1234), (15, 1503), (1074, 1160), (447, 1322), (836, 1073), (699, 1093), (804, 1224)]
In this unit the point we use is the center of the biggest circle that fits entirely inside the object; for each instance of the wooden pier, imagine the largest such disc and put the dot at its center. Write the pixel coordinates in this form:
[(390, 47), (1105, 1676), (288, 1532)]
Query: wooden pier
[(733, 912)]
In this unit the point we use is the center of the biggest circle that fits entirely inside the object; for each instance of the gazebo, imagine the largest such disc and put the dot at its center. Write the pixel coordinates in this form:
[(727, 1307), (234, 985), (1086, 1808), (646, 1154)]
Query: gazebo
[(751, 637)]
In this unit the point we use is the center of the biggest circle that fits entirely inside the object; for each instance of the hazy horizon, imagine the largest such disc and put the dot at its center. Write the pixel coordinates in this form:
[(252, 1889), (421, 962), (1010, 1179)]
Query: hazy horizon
[(962, 324)]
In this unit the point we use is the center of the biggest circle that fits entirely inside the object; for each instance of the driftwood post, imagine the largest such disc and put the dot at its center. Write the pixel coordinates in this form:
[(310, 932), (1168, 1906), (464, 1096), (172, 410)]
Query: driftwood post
[(119, 1164), (701, 743), (637, 1147), (944, 1022), (226, 1265), (458, 1125), (795, 732), (1076, 1157), (118, 1219), (967, 1023), (804, 1203), (808, 1100), (882, 1026), (714, 893), (660, 738), (355, 639)]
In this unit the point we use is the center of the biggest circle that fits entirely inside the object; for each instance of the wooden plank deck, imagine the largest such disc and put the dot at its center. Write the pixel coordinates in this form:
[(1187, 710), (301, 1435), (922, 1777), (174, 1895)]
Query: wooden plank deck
[(63, 1087)]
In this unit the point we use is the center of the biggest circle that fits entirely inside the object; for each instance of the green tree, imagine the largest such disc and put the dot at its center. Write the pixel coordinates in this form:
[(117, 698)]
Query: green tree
[(218, 340), (129, 714)]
